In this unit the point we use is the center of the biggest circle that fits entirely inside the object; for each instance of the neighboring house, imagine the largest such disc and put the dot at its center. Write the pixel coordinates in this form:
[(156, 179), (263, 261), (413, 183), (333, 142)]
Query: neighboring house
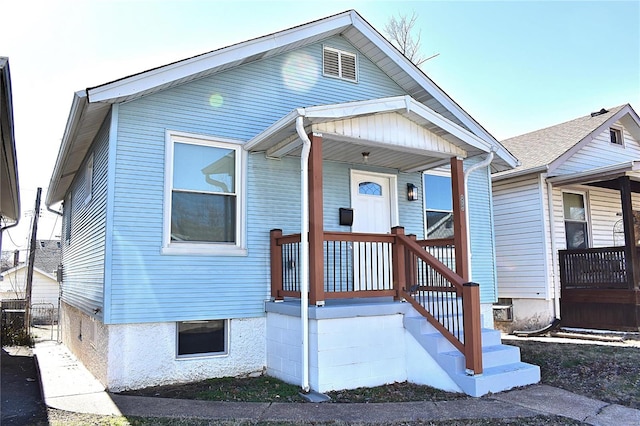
[(566, 224), (186, 188), (45, 286), (9, 190)]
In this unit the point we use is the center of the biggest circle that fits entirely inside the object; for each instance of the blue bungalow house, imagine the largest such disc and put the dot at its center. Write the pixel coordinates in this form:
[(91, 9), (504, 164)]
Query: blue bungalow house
[(186, 189)]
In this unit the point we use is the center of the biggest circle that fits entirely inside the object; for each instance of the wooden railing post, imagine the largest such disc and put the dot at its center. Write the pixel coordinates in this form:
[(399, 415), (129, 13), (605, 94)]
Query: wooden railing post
[(316, 223), (412, 265), (472, 327), (459, 218), (399, 265), (276, 264)]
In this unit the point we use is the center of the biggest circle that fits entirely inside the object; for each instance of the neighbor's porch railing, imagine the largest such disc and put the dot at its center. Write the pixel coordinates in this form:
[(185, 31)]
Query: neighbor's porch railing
[(369, 265), (595, 268)]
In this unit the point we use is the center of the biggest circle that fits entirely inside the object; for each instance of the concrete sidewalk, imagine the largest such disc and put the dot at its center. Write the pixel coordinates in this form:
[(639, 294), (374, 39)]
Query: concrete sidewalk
[(68, 385)]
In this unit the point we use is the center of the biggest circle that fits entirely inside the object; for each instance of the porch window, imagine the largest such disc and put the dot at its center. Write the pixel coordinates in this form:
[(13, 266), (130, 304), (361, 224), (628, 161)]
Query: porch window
[(438, 205), (203, 205), (201, 338), (575, 220)]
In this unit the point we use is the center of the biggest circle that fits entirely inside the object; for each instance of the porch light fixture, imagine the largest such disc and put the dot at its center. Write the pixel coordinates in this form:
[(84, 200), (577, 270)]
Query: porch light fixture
[(365, 157), (412, 192)]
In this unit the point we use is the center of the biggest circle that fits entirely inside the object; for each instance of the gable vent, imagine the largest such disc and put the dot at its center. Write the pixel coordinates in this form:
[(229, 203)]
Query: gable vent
[(340, 64)]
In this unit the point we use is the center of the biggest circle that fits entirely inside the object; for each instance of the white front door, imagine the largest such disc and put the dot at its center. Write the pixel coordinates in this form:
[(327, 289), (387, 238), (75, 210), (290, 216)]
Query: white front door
[(373, 198)]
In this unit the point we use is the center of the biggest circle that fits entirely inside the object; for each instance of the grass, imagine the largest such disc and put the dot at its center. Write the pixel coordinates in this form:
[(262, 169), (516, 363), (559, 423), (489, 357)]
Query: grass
[(608, 373)]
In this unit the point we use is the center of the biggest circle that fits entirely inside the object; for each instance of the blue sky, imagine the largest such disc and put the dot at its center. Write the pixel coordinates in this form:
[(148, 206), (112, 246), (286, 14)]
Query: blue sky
[(515, 66)]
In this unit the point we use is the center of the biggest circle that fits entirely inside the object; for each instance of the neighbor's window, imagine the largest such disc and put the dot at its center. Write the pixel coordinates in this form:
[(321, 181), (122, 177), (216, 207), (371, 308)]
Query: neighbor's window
[(88, 179), (199, 338), (66, 211), (615, 135), (204, 209), (575, 220), (438, 205), (338, 63)]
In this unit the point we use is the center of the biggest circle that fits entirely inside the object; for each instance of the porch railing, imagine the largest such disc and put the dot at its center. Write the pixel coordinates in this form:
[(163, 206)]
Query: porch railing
[(369, 265), (595, 268)]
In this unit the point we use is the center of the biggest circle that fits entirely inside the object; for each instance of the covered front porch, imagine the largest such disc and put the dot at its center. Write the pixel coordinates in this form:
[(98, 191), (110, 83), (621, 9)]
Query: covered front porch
[(360, 279), (599, 286)]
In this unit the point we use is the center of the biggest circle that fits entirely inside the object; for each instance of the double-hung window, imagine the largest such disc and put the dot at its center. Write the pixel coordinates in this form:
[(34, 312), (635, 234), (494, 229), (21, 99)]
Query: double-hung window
[(438, 204), (575, 220), (203, 204)]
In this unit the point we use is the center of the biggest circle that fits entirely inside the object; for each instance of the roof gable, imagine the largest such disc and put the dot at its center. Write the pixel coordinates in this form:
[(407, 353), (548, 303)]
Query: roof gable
[(547, 149), (92, 106)]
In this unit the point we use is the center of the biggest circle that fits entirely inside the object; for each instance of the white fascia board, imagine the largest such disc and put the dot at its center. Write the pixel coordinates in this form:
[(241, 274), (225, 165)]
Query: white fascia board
[(276, 127), (592, 175), (78, 106), (150, 79), (356, 108), (592, 135), (508, 175), (449, 127)]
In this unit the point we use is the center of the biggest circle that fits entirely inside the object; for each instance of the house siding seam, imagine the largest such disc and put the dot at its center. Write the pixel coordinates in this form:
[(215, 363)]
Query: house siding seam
[(83, 257), (250, 98), (520, 248), (600, 152)]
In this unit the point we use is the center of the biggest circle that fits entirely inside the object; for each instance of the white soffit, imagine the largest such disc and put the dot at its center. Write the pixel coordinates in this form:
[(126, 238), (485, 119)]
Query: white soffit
[(368, 121)]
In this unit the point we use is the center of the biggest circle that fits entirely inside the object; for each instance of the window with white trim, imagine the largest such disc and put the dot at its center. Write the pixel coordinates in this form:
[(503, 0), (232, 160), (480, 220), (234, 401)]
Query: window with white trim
[(575, 220), (438, 206), (201, 338), (339, 64), (203, 204), (616, 136)]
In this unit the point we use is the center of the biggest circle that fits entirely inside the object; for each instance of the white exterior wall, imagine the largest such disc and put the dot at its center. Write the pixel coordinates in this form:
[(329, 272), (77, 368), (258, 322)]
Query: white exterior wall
[(601, 152), (45, 289), (144, 355), (521, 256), (347, 353)]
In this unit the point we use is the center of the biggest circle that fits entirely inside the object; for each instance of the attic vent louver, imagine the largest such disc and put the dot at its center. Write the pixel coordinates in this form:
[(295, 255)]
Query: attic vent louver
[(602, 111), (340, 64)]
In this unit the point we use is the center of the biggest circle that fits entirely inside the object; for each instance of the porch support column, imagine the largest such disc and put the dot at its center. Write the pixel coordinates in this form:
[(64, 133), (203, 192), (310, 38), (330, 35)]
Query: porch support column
[(459, 220), (316, 222), (630, 251)]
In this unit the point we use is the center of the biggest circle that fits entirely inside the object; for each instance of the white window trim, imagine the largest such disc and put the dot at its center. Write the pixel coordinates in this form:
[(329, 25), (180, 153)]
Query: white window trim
[(340, 53), (620, 131), (587, 215), (88, 179), (227, 342), (239, 248), (440, 173)]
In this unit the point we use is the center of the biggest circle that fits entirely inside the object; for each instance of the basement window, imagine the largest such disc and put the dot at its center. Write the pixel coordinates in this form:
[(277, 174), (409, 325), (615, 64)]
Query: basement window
[(339, 64), (201, 338), (615, 136)]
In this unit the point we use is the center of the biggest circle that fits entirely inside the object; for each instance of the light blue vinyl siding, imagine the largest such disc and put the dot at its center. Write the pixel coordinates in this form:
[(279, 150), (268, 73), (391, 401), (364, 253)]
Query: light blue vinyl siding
[(146, 286), (83, 257), (483, 268)]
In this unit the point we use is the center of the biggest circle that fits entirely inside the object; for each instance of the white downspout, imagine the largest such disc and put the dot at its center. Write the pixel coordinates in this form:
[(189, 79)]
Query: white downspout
[(483, 163), (304, 248), (554, 258)]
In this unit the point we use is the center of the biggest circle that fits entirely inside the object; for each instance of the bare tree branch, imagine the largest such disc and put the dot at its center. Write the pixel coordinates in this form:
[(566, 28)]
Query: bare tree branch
[(400, 31)]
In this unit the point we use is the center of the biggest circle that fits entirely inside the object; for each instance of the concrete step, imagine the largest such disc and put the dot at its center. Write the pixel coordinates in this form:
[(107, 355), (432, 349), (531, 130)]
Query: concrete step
[(502, 368), (498, 378)]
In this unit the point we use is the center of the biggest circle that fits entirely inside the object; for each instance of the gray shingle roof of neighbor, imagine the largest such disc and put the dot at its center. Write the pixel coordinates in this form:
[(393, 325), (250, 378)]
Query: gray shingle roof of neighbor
[(543, 146), (48, 255)]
